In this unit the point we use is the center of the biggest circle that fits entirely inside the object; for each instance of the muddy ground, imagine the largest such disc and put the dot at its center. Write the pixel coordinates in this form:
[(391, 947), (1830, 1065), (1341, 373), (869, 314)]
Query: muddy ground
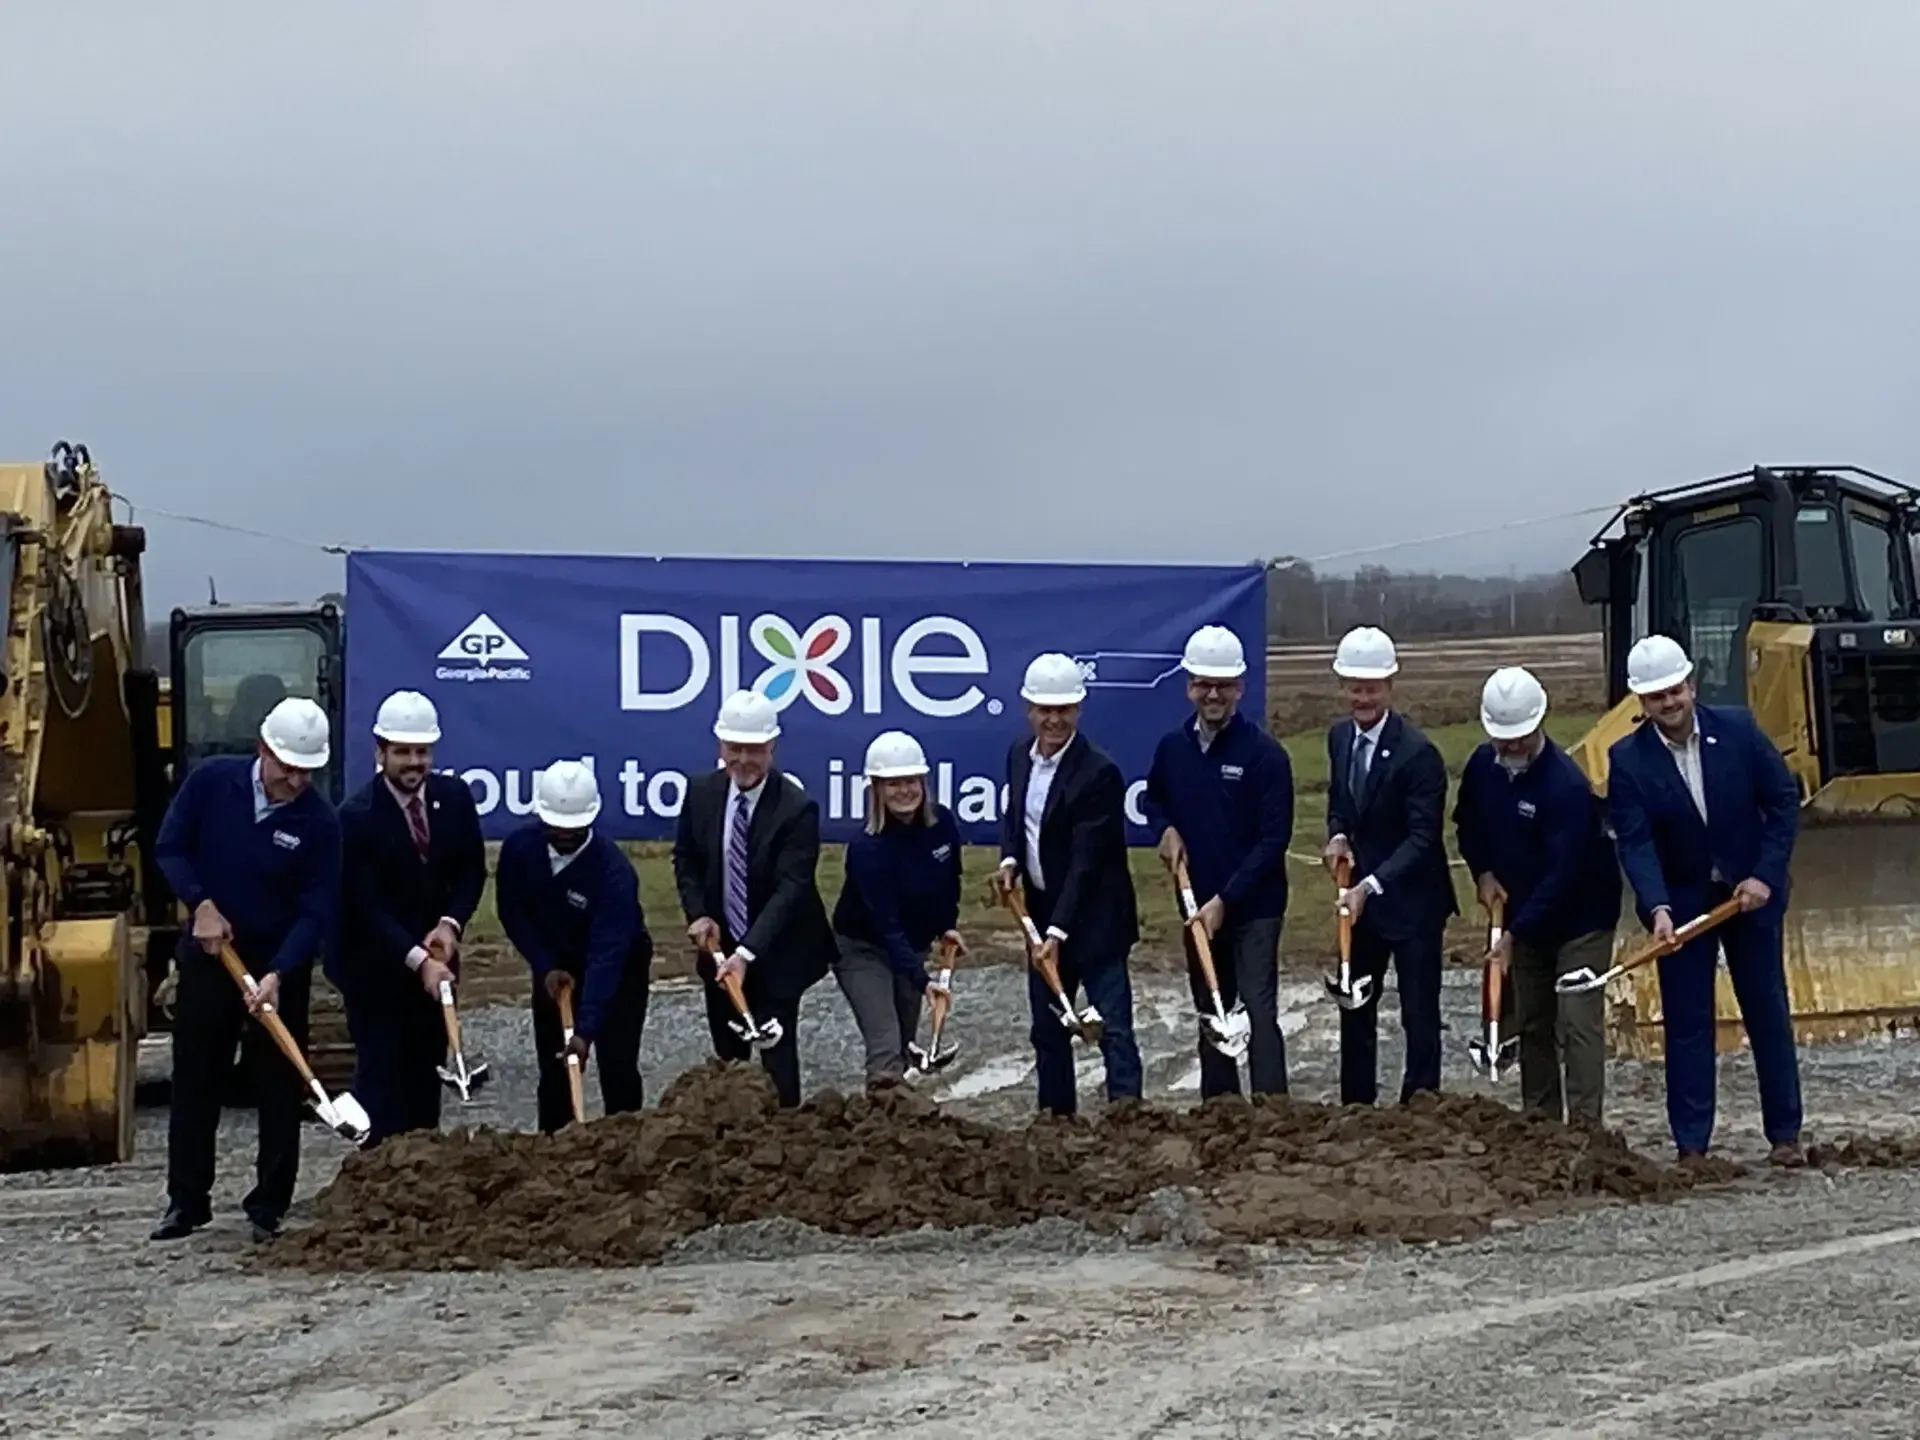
[(1783, 1304)]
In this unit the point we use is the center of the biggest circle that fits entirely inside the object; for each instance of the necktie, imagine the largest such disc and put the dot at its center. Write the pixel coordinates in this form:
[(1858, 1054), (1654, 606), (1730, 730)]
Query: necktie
[(737, 872), (1357, 767), (417, 823)]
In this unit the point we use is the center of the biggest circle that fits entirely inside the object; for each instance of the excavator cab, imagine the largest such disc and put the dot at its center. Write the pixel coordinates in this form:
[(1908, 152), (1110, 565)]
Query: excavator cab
[(1794, 592)]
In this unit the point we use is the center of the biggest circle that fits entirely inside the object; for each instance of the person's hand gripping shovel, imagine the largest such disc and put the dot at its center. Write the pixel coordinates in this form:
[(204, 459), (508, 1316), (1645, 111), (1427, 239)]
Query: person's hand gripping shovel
[(1350, 991), (1228, 1031), (459, 1075), (1491, 1055), (563, 997), (341, 1113), (935, 1056), (1578, 982), (760, 1034), (1087, 1023)]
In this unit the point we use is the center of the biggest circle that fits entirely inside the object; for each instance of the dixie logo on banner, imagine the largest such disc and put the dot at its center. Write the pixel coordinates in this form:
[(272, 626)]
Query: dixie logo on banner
[(623, 662)]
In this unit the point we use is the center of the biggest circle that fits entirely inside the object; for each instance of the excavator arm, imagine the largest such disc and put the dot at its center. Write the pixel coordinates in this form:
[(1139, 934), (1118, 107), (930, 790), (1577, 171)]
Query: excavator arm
[(77, 716)]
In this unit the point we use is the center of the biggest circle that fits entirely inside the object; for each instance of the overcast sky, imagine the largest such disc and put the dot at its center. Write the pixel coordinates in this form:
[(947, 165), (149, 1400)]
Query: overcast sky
[(1116, 280)]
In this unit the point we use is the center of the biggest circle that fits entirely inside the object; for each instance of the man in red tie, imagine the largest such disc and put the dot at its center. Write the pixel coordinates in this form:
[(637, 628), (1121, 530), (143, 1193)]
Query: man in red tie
[(413, 866)]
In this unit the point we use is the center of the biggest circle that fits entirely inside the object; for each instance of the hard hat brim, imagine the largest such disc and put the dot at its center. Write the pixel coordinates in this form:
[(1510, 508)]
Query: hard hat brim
[(746, 737), (1661, 682), (1217, 672), (299, 759), (1054, 697), (409, 737), (1366, 672), (566, 822), (897, 772)]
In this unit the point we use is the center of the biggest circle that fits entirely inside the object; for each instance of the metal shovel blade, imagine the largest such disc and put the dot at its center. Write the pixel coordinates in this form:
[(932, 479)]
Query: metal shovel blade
[(1353, 994), (1496, 1062), (762, 1036), (462, 1078), (921, 1062), (1578, 982), (1228, 1033), (1092, 1027), (343, 1114)]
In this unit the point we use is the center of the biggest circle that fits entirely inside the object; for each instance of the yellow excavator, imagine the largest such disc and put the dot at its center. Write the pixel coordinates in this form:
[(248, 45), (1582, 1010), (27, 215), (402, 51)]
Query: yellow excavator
[(94, 736), (1793, 590)]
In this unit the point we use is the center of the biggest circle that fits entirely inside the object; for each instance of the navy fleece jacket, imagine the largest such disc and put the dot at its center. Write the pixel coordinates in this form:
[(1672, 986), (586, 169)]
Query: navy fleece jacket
[(902, 890), (1233, 806), (276, 879)]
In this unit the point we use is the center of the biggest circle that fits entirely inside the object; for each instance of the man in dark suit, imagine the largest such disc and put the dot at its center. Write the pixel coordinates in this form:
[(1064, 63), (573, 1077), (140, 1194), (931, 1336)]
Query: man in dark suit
[(743, 859), (413, 867), (1703, 807), (1385, 807), (1064, 834)]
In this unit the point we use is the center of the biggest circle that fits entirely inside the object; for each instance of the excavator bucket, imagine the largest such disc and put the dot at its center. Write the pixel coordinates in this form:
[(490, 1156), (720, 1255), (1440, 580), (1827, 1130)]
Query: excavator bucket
[(68, 1050), (1794, 594)]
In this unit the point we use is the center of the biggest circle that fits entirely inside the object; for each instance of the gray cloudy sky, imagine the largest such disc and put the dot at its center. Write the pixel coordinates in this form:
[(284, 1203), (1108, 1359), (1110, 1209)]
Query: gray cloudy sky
[(1202, 280)]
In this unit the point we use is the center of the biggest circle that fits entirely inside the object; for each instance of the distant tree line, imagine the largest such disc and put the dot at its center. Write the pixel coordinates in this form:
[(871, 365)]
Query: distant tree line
[(1304, 605)]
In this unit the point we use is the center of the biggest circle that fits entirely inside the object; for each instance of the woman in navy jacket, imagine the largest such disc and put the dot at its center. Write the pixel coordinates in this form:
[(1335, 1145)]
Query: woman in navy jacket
[(902, 894)]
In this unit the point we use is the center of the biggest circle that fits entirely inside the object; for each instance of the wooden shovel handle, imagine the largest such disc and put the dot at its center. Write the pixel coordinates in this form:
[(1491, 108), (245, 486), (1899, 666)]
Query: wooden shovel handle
[(451, 1018), (563, 997), (1684, 934), (731, 984), (1036, 955), (1497, 915), (276, 1027), (1342, 878), (1190, 912)]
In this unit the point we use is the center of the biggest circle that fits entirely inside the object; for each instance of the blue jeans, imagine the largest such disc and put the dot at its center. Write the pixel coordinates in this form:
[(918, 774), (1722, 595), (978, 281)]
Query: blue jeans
[(1760, 986), (1109, 990)]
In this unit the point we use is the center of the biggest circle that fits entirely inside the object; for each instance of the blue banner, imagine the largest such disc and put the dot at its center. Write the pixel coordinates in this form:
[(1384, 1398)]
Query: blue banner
[(623, 662)]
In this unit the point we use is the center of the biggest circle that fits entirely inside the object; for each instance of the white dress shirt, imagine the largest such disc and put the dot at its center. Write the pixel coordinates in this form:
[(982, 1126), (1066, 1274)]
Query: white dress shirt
[(1372, 736), (1040, 779)]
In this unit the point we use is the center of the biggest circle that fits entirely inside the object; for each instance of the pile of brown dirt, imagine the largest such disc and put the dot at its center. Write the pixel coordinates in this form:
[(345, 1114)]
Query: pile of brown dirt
[(717, 1150)]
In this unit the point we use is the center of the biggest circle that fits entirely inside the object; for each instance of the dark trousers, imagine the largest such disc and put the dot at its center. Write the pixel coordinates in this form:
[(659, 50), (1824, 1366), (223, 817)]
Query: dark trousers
[(399, 1041), (1110, 991), (1246, 961), (1759, 979), (615, 1056), (210, 1017), (782, 1061), (1416, 965), (1557, 1030), (885, 1003)]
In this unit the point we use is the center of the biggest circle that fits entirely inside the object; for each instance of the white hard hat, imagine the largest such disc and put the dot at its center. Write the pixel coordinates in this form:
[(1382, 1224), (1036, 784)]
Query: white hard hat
[(747, 718), (893, 755), (1053, 679), (1512, 704), (566, 795), (407, 718), (1656, 663), (296, 732), (1214, 653), (1365, 654)]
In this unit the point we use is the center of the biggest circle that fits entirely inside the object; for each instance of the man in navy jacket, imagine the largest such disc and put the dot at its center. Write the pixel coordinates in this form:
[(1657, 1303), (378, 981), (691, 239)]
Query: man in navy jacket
[(414, 866), (253, 852), (1530, 831), (569, 901), (1220, 794), (1703, 808), (1386, 806)]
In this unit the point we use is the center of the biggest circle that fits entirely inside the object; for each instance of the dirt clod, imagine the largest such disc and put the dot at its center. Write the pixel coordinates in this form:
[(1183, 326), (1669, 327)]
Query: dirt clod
[(718, 1151)]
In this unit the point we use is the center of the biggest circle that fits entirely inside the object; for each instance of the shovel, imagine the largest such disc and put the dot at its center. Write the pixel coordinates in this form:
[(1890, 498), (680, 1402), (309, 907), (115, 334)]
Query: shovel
[(1228, 1031), (1578, 982), (1087, 1024), (760, 1035), (935, 1056), (1491, 1055), (460, 1077), (1349, 990), (563, 997), (342, 1114)]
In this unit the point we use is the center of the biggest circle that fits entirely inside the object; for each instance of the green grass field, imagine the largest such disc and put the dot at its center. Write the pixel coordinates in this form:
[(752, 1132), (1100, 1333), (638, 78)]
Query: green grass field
[(990, 931)]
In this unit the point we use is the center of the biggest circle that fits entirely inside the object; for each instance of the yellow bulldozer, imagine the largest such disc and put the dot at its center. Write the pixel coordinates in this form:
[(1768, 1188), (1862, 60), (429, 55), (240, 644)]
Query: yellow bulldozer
[(1793, 590), (94, 736)]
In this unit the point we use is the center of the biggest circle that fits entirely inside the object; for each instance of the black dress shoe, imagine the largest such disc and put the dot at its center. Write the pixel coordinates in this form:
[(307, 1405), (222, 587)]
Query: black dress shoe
[(178, 1223), (265, 1227)]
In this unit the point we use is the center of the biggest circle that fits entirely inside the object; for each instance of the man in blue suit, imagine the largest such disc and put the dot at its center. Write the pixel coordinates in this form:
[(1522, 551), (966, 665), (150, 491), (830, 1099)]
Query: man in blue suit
[(1703, 807)]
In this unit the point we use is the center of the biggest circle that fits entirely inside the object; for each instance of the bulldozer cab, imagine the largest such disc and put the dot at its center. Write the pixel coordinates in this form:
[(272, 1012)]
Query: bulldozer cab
[(231, 664), (1793, 591)]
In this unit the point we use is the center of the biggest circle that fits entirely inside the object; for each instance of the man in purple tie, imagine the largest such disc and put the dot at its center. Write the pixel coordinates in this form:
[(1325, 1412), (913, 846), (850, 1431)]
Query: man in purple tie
[(743, 861)]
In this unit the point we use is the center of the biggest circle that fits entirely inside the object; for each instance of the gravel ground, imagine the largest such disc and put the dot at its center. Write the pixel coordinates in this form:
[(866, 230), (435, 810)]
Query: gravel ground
[(1790, 1307)]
